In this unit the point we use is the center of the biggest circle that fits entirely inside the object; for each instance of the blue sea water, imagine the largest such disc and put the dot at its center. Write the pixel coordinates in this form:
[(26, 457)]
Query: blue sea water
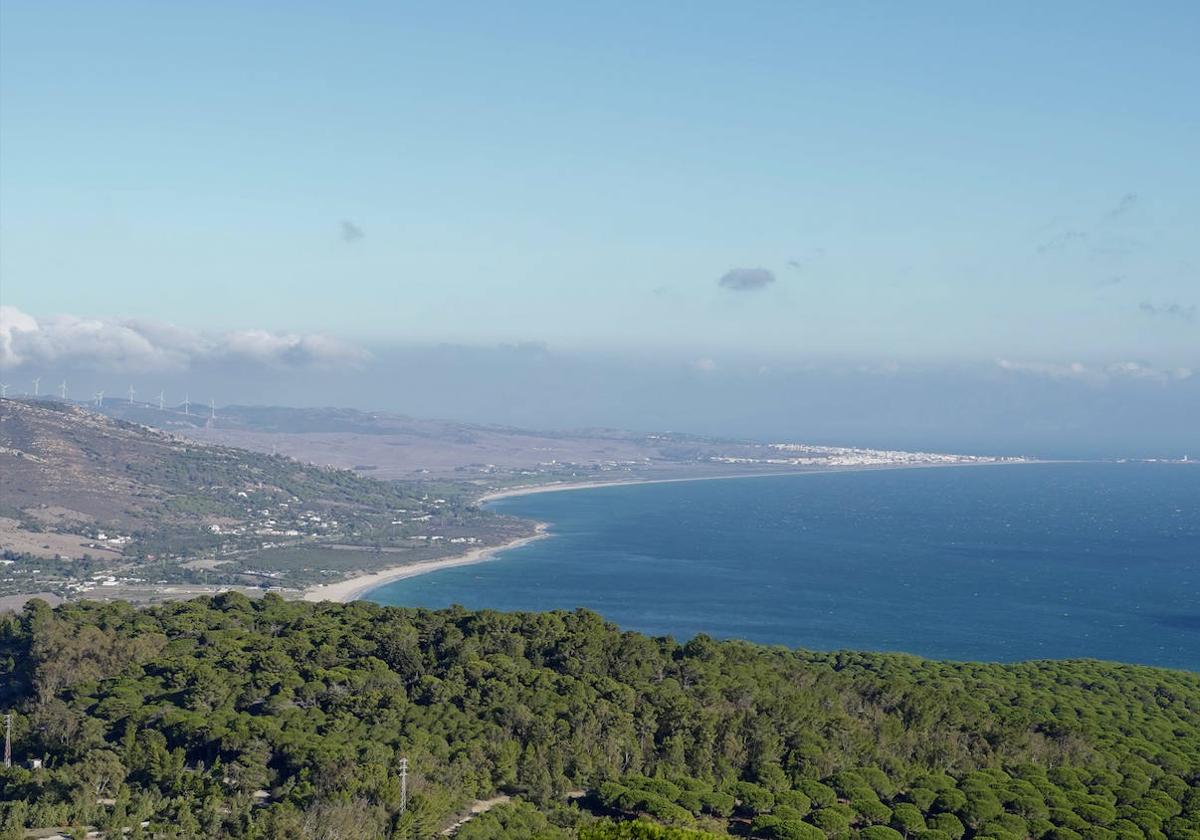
[(995, 563)]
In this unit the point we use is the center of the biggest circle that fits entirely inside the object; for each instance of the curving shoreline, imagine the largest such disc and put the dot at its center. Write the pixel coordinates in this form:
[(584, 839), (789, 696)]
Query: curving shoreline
[(356, 587), (360, 585), (554, 487), (561, 486)]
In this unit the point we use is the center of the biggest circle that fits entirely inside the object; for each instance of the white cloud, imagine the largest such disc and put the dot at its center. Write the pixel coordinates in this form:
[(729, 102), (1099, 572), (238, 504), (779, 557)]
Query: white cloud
[(1052, 370), (1095, 374), (137, 346), (13, 322)]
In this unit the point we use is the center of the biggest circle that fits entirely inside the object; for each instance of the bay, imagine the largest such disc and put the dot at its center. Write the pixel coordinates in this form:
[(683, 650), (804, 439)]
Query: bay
[(995, 563)]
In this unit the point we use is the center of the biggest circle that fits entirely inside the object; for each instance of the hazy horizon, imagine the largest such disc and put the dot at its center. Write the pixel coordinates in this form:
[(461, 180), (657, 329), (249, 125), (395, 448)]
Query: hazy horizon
[(1004, 408), (941, 227)]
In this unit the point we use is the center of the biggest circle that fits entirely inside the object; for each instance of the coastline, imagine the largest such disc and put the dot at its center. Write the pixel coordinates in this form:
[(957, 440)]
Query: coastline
[(353, 588), (554, 487), (358, 586)]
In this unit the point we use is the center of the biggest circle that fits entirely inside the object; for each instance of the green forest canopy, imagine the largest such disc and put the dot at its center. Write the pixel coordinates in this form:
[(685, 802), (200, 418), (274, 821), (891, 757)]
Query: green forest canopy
[(226, 717)]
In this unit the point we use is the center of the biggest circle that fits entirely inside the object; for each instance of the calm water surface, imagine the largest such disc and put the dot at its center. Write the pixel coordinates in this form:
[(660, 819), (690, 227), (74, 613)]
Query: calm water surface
[(984, 563)]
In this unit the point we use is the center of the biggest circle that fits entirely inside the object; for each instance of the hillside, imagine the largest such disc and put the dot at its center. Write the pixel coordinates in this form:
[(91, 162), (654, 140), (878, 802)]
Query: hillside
[(88, 501), (388, 445), (226, 717)]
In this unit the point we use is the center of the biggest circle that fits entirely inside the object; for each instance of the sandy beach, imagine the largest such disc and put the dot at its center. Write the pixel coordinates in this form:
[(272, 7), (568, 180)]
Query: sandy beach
[(355, 587), (554, 487), (530, 489)]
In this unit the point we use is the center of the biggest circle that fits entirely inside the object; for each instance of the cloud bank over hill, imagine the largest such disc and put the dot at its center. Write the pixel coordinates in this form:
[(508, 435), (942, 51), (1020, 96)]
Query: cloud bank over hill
[(1118, 406), (134, 346)]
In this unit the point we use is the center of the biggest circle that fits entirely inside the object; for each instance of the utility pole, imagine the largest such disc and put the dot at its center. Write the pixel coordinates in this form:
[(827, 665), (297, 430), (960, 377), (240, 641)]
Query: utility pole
[(8, 740), (403, 784)]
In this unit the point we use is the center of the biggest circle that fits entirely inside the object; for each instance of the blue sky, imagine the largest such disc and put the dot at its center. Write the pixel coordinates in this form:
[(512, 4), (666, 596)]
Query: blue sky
[(917, 223), (934, 181)]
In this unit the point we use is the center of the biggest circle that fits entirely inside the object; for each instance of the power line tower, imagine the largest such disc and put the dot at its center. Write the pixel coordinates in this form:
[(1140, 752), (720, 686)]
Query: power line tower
[(403, 785), (8, 740)]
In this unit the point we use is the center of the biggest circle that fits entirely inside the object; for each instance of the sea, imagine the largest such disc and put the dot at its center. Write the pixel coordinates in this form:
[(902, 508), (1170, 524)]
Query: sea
[(988, 563)]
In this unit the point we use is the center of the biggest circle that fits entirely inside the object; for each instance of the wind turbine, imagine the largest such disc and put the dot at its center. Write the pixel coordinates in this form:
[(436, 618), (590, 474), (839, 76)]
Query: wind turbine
[(37, 384), (99, 399), (3, 390), (186, 404), (131, 393), (212, 409), (62, 390), (160, 400)]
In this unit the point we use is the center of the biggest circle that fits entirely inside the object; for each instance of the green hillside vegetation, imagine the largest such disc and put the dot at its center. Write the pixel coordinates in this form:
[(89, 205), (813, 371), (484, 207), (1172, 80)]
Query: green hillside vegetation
[(259, 519), (227, 717)]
